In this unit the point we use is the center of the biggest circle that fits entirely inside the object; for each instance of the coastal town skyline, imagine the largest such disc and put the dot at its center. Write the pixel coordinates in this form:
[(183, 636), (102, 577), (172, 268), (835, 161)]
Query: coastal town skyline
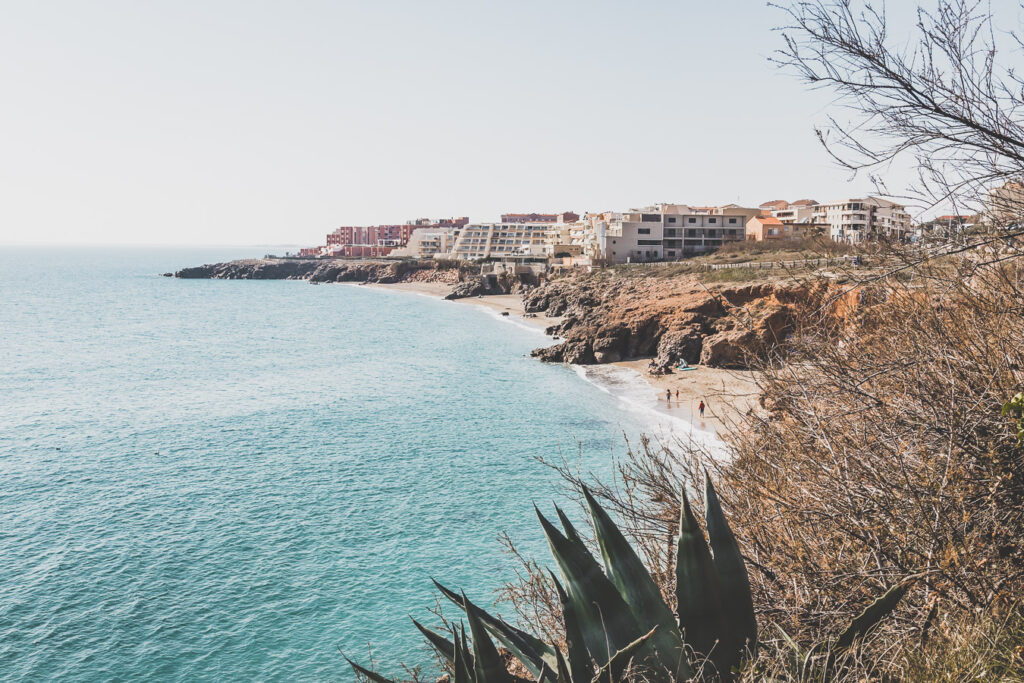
[(199, 125)]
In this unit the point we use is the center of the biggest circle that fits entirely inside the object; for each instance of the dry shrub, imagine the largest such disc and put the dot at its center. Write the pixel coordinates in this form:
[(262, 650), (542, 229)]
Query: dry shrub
[(882, 455), (885, 455), (811, 245)]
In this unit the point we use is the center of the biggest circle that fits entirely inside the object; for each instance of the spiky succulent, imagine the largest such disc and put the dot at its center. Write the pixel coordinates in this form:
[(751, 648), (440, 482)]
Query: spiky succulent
[(614, 615)]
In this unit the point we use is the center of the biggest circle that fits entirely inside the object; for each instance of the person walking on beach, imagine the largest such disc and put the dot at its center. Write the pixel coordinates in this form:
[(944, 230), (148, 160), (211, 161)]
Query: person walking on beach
[(668, 395), (677, 394), (701, 408)]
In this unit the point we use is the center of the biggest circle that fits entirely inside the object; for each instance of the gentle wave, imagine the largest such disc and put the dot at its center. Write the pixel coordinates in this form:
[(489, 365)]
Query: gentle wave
[(636, 394)]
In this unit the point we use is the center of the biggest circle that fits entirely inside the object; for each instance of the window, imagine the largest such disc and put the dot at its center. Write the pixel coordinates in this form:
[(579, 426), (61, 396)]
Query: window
[(648, 243), (732, 221), (692, 221), (643, 231), (672, 220), (712, 221), (650, 217)]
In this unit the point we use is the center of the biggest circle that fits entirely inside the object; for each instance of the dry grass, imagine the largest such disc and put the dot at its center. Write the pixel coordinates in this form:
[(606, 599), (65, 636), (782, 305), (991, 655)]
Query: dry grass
[(883, 457)]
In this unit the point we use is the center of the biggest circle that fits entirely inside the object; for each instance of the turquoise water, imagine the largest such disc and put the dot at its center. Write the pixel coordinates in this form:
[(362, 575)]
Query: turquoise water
[(231, 480)]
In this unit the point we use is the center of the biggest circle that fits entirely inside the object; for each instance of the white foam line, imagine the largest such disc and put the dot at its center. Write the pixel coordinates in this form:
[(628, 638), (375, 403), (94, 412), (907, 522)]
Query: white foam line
[(514, 320), (635, 393)]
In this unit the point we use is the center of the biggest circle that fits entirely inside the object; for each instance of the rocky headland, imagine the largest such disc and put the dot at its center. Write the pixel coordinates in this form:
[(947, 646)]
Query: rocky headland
[(464, 279), (674, 320), (601, 317)]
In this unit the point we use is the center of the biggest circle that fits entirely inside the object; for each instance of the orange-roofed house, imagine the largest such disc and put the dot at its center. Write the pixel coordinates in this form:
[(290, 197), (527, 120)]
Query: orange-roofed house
[(760, 228)]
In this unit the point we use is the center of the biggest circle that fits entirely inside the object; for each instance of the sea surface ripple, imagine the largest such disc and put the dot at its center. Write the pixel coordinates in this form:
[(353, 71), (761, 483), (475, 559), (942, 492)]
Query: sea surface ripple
[(232, 480)]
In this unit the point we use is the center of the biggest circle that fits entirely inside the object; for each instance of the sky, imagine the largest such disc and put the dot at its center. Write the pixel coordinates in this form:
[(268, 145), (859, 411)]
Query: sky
[(256, 122)]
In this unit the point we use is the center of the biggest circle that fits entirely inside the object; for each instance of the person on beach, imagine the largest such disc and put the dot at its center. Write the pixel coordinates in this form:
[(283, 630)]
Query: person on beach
[(668, 394), (677, 394), (701, 408)]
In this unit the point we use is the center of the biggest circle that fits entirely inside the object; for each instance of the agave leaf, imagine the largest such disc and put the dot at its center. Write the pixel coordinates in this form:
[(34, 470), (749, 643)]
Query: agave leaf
[(462, 664), (563, 670), (872, 614), (737, 601), (635, 584), (546, 675), (437, 641), (570, 530), (367, 674), (698, 592), (530, 650), (616, 666), (580, 666), (487, 664), (605, 622)]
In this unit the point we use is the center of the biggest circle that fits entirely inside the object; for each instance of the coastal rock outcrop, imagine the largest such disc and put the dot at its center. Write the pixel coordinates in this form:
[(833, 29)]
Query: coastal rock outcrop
[(332, 270), (672, 320), (487, 285)]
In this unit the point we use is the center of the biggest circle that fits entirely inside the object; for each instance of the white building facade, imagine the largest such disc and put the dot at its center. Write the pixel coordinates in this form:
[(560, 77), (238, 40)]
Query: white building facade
[(496, 240), (857, 220), (661, 232)]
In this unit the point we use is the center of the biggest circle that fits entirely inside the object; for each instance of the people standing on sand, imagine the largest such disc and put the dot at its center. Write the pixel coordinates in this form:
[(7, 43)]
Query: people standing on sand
[(677, 394), (668, 394), (701, 408)]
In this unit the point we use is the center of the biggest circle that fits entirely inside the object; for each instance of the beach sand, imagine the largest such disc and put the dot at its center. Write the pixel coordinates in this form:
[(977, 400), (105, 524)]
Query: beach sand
[(437, 289), (728, 395), (502, 303)]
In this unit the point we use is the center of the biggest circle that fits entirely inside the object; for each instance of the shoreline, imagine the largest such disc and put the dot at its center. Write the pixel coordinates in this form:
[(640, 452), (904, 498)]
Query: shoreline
[(512, 304), (729, 395)]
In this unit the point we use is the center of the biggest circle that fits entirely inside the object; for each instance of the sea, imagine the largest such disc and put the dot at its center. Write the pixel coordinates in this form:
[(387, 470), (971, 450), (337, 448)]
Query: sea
[(241, 480)]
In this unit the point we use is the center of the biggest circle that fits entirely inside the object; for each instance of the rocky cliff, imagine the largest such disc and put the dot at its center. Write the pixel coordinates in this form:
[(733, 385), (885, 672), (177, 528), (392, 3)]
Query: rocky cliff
[(672, 320), (464, 278), (319, 270)]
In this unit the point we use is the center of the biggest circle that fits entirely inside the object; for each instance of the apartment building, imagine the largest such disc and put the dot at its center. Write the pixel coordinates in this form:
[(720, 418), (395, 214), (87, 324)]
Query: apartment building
[(429, 243), (696, 230), (1004, 205), (495, 240), (659, 232), (564, 217), (800, 211), (381, 240), (857, 220)]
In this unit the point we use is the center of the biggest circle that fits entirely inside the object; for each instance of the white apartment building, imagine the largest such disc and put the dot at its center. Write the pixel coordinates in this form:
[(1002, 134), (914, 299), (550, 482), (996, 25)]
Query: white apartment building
[(660, 232), (857, 220), (560, 241), (429, 243), (800, 211), (495, 240)]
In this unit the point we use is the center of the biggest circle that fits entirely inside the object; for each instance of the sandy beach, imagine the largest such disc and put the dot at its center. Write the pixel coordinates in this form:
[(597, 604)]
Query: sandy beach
[(512, 304), (728, 395)]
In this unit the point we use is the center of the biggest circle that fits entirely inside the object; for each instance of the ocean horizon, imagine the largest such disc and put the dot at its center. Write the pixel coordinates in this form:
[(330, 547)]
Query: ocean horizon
[(210, 479)]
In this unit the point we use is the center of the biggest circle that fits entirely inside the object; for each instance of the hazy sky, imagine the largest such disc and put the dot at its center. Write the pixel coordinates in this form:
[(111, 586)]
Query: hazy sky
[(254, 122)]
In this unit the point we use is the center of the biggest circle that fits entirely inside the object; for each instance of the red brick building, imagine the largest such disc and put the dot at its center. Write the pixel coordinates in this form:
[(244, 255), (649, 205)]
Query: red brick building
[(380, 240)]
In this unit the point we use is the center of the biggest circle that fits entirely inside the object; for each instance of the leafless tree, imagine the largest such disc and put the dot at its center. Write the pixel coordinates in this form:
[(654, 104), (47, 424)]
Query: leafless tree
[(949, 98)]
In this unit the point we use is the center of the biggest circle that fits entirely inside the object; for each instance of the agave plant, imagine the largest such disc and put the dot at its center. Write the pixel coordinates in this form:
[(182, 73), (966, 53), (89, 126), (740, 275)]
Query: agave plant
[(615, 617)]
